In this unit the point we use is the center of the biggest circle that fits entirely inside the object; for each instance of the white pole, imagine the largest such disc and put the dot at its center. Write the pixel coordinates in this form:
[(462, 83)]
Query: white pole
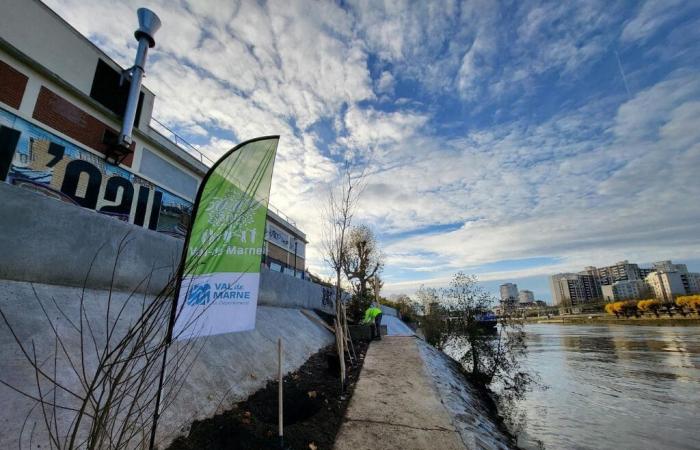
[(279, 398)]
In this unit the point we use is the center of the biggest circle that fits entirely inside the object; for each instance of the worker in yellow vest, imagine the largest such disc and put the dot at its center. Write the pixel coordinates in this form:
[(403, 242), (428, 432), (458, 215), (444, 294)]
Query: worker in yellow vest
[(373, 316)]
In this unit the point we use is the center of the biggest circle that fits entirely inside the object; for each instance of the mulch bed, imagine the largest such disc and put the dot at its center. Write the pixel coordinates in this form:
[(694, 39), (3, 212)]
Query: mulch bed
[(313, 411)]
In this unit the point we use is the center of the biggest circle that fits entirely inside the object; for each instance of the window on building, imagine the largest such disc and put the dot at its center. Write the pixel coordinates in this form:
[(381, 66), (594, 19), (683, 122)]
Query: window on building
[(108, 92), (276, 267)]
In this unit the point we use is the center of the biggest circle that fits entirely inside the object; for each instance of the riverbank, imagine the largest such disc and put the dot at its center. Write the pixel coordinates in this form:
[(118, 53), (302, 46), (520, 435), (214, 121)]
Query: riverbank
[(313, 411), (612, 320)]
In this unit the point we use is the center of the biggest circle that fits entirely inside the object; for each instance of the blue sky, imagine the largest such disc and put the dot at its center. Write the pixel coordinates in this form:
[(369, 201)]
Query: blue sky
[(510, 139)]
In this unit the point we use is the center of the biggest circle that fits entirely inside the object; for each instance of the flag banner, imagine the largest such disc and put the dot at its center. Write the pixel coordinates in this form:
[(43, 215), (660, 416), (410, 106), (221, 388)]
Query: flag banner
[(219, 280)]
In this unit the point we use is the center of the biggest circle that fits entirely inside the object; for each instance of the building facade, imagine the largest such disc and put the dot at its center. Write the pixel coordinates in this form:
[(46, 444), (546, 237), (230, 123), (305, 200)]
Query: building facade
[(509, 293), (620, 271), (574, 289), (668, 280), (526, 296), (61, 108), (625, 290), (666, 285)]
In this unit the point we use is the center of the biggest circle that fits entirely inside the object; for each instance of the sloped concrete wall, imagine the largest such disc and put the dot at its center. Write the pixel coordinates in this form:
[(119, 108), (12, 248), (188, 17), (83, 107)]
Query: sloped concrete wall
[(279, 289), (44, 240), (475, 422), (228, 367)]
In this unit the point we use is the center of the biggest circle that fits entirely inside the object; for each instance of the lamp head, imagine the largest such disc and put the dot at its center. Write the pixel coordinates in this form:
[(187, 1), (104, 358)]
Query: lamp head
[(149, 23)]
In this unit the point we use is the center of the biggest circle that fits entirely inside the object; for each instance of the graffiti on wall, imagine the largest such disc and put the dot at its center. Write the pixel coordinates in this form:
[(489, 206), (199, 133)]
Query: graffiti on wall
[(47, 163)]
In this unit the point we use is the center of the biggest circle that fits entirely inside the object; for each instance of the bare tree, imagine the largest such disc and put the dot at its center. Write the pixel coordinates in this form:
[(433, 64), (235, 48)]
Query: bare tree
[(361, 265), (492, 355), (339, 211)]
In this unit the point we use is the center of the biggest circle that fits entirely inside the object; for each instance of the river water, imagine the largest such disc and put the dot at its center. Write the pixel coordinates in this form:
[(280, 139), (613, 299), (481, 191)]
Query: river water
[(613, 387)]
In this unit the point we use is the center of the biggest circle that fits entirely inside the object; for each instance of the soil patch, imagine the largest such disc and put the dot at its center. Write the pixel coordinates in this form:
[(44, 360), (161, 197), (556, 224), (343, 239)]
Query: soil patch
[(313, 411)]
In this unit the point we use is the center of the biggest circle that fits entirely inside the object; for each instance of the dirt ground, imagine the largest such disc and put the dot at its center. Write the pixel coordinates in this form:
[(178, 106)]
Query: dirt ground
[(313, 411)]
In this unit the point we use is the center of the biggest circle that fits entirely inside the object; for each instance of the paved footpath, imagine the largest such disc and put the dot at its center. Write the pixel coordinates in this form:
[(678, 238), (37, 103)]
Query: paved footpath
[(396, 404)]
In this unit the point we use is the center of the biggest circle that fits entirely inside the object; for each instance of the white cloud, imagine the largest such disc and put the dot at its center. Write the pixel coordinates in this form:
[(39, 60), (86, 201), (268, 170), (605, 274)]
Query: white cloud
[(574, 205), (386, 82), (653, 15), (587, 183), (368, 127)]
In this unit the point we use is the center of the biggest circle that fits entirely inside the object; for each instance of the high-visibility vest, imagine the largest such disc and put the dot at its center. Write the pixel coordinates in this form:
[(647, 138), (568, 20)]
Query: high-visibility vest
[(371, 314)]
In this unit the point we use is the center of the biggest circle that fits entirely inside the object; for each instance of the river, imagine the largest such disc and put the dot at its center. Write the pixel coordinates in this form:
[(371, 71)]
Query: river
[(613, 387)]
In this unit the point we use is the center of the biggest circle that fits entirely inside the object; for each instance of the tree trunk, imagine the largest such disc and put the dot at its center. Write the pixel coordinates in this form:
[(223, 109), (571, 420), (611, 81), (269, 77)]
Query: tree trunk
[(475, 362)]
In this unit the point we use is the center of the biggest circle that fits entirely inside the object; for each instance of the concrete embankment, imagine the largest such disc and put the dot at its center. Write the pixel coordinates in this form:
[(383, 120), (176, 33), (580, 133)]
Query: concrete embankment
[(228, 367), (411, 396)]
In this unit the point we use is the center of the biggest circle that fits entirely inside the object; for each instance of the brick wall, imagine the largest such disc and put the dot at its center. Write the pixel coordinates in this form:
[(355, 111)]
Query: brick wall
[(62, 115), (12, 85)]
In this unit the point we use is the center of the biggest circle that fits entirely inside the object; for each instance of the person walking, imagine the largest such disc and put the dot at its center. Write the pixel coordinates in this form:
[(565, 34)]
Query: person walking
[(373, 316)]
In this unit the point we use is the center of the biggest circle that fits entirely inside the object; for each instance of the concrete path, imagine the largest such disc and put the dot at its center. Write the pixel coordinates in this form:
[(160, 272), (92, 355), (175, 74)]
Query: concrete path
[(396, 404)]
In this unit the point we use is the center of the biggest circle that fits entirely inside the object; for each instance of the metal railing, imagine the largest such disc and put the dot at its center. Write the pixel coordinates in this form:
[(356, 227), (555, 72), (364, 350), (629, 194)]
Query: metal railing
[(181, 142), (282, 215)]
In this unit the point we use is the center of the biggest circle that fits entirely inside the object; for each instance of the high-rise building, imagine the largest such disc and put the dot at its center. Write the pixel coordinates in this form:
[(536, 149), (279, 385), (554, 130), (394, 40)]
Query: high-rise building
[(668, 266), (571, 289), (624, 280), (625, 290), (668, 279), (509, 293), (620, 271), (526, 296), (666, 284)]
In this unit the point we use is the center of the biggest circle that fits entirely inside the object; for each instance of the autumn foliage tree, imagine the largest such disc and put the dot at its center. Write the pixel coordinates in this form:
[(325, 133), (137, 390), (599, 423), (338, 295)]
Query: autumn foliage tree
[(690, 302), (651, 305), (624, 308)]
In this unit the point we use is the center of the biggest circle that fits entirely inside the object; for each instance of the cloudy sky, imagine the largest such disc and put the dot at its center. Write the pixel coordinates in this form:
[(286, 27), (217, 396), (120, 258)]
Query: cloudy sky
[(510, 139)]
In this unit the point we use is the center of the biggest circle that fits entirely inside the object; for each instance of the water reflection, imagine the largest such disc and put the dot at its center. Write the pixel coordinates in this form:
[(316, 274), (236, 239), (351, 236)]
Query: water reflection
[(613, 387)]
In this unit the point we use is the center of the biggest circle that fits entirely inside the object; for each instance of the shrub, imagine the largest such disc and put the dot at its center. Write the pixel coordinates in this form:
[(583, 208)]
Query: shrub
[(650, 305)]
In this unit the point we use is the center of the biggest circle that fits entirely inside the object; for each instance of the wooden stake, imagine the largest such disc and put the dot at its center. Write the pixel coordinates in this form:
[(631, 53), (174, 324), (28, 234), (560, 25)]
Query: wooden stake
[(280, 396), (348, 337), (341, 353)]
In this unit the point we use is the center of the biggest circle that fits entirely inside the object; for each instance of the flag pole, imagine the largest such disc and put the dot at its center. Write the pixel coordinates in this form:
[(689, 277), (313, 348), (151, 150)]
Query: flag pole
[(178, 282)]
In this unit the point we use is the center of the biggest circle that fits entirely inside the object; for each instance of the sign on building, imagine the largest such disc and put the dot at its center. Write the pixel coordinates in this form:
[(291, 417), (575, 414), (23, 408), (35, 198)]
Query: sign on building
[(282, 239)]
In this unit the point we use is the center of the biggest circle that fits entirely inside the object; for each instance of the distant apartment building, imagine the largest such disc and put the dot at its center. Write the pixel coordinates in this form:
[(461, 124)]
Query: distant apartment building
[(620, 271), (668, 279), (572, 289), (622, 281), (666, 284), (668, 266), (526, 296), (509, 293), (625, 290)]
